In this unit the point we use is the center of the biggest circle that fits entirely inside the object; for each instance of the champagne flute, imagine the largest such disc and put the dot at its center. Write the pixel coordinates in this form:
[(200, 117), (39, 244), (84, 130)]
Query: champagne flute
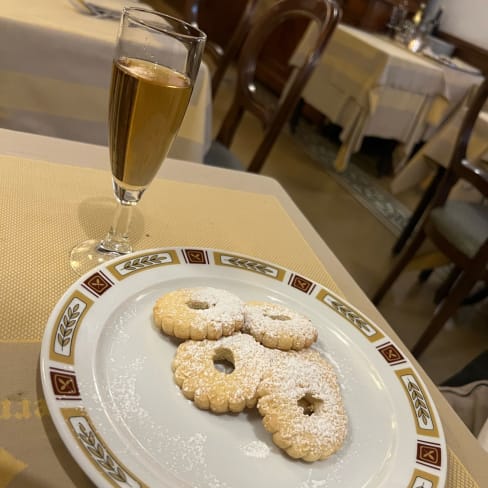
[(154, 69)]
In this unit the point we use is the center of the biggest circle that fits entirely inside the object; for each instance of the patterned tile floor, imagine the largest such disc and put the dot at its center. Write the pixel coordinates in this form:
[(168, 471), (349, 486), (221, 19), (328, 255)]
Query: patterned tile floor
[(388, 209)]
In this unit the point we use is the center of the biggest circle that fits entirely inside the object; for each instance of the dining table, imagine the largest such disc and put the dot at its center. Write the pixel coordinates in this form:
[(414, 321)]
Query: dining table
[(55, 193), (371, 85), (436, 154), (55, 70)]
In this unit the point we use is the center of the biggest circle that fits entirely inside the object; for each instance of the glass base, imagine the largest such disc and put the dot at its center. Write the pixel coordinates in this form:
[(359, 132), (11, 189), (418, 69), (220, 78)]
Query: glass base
[(88, 255)]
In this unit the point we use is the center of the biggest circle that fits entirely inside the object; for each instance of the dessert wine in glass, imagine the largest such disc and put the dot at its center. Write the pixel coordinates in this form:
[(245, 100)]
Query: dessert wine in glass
[(154, 70)]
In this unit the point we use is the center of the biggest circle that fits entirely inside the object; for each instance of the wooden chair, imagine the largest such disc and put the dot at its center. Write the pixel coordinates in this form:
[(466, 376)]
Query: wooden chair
[(430, 191), (222, 52), (273, 115), (458, 229)]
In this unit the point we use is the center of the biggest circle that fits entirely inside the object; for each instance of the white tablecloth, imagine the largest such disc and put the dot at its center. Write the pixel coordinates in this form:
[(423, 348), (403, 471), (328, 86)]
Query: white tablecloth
[(438, 150), (55, 68), (371, 86)]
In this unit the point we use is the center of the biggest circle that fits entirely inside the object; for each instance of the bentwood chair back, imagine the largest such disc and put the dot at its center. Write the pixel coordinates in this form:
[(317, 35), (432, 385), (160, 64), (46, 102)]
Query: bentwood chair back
[(459, 229), (458, 114), (238, 20), (325, 14)]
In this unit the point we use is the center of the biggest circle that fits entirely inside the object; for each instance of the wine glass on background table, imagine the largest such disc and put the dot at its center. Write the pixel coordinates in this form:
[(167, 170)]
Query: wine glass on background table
[(155, 66)]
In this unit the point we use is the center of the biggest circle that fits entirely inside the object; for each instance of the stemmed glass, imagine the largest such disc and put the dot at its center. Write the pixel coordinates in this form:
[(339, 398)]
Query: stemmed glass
[(156, 62)]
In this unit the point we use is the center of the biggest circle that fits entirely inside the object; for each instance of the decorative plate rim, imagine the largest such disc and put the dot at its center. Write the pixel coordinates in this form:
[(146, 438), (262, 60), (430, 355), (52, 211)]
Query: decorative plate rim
[(59, 381)]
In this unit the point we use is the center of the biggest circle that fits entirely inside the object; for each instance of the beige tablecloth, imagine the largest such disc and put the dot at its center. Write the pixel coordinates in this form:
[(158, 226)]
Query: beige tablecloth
[(438, 150), (55, 68), (46, 208), (371, 86)]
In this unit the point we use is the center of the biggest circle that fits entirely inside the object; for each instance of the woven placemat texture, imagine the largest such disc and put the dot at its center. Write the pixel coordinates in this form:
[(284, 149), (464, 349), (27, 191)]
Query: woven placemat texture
[(457, 476), (46, 209)]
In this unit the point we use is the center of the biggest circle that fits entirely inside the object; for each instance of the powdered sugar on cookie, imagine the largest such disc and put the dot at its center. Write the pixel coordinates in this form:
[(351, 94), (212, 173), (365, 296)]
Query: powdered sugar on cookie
[(209, 387), (276, 326), (269, 365), (301, 404), (199, 313)]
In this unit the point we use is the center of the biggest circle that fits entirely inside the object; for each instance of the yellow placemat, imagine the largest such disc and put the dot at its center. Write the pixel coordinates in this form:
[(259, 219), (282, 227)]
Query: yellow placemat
[(457, 475), (46, 209)]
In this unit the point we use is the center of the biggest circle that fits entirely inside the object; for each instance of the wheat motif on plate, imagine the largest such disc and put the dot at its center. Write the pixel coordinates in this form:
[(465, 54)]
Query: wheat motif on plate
[(143, 262), (419, 402), (67, 325), (101, 456), (250, 265), (351, 316)]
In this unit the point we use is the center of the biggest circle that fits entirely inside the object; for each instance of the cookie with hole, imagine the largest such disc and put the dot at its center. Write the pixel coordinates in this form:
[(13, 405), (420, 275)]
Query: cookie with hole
[(278, 327), (221, 375), (301, 404), (199, 313)]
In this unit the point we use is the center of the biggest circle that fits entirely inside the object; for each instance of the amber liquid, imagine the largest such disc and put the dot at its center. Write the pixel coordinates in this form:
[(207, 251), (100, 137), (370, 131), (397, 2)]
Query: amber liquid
[(147, 105)]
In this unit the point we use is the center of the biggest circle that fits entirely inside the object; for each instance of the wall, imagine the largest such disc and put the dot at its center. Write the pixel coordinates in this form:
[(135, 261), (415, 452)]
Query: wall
[(467, 20)]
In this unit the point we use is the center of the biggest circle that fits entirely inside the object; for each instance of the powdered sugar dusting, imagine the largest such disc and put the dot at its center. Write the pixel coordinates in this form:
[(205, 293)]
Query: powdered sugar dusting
[(199, 313), (200, 380), (275, 325), (333, 476), (301, 395), (124, 392), (256, 449), (185, 452), (223, 307), (178, 453), (311, 483)]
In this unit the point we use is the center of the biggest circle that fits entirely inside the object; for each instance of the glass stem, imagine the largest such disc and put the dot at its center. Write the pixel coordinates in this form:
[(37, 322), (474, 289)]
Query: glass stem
[(117, 240)]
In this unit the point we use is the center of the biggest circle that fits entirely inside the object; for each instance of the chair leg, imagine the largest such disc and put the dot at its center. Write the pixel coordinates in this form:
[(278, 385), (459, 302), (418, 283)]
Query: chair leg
[(264, 148), (230, 124), (403, 260), (217, 78), (477, 296), (222, 62), (419, 211), (295, 116), (443, 290), (425, 274), (272, 132), (450, 304)]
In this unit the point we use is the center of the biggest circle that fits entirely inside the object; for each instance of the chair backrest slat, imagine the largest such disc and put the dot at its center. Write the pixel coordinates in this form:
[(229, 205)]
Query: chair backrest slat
[(460, 166), (325, 14), (223, 55)]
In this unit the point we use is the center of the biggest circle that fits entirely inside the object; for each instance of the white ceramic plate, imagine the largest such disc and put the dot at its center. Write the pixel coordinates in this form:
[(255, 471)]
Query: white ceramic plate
[(106, 375)]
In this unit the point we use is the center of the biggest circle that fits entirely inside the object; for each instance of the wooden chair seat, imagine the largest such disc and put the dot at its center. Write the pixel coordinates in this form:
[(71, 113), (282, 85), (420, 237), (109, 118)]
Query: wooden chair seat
[(463, 224)]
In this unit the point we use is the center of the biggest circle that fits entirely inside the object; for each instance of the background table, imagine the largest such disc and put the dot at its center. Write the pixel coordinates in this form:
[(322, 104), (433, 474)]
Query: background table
[(438, 150), (53, 208), (371, 86), (55, 68)]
